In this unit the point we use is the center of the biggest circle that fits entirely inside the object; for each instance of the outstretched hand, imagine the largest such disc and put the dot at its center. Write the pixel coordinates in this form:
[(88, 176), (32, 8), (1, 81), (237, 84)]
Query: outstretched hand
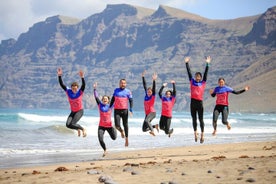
[(208, 59), (154, 76), (59, 72), (211, 91), (187, 59), (165, 84), (81, 73), (95, 85), (246, 88), (143, 74)]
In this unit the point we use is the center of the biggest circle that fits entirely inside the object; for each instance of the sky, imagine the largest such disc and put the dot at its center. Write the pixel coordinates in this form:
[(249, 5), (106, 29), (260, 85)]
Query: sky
[(17, 16)]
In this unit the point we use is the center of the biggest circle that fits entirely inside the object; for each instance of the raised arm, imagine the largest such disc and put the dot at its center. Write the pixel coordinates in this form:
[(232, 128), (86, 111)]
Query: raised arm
[(161, 89), (144, 80), (174, 89), (208, 60), (154, 77), (82, 80), (96, 94), (59, 72), (187, 60)]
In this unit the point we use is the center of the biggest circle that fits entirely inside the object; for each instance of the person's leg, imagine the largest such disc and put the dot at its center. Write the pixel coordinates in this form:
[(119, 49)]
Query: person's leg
[(148, 120), (167, 125), (162, 122), (215, 119), (117, 120), (194, 118), (112, 132), (201, 121), (145, 126), (101, 131), (225, 113), (125, 124), (72, 120)]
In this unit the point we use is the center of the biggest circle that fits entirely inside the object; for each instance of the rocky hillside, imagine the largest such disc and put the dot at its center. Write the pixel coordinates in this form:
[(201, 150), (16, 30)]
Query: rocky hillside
[(124, 40)]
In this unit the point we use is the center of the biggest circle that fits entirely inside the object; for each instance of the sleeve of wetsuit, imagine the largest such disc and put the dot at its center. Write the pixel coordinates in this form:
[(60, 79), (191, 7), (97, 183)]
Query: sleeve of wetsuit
[(130, 104), (160, 91), (96, 97), (153, 87), (61, 83), (82, 84), (112, 101), (174, 90), (206, 72), (238, 92), (189, 71), (144, 83)]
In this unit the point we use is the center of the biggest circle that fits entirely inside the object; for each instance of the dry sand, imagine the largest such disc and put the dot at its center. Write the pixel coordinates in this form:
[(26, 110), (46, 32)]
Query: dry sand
[(224, 163)]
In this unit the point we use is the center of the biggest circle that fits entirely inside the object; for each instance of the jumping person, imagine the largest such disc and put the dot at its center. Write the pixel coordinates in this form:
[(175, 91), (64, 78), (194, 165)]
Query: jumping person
[(149, 105), (197, 87), (105, 123), (120, 99), (75, 100), (167, 105), (222, 91)]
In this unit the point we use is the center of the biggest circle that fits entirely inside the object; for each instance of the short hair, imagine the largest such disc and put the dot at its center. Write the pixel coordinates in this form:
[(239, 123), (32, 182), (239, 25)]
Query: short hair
[(74, 84), (198, 73)]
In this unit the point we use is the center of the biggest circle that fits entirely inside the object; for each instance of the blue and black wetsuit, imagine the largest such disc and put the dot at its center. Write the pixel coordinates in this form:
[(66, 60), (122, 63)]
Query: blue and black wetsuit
[(75, 100)]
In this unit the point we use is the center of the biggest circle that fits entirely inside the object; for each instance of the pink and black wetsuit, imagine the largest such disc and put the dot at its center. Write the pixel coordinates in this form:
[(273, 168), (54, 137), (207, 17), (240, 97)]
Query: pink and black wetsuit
[(105, 123), (167, 107), (75, 101), (222, 103), (149, 107), (197, 93), (120, 99)]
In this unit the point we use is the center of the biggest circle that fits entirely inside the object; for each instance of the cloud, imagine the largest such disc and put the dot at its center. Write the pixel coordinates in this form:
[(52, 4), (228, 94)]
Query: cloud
[(17, 16)]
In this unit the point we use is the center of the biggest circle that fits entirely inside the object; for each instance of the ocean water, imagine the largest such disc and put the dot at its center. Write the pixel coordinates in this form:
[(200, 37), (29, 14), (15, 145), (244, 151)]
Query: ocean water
[(40, 137)]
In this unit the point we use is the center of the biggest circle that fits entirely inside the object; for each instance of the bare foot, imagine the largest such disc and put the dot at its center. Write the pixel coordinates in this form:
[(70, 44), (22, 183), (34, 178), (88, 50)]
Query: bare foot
[(228, 126), (157, 127), (84, 133), (122, 134), (152, 133), (201, 138), (170, 132), (79, 132), (196, 134), (126, 143), (104, 154), (214, 132)]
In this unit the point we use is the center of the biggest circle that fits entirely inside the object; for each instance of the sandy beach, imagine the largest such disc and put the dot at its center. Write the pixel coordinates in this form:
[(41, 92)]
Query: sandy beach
[(253, 162)]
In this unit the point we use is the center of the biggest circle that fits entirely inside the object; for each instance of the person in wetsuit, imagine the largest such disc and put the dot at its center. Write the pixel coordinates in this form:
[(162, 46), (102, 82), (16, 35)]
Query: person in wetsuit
[(75, 100), (222, 91), (168, 102), (149, 105), (105, 123), (120, 99), (197, 87)]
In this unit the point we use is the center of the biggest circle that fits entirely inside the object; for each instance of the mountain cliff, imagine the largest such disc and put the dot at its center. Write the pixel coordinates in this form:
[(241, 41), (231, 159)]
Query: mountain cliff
[(123, 40)]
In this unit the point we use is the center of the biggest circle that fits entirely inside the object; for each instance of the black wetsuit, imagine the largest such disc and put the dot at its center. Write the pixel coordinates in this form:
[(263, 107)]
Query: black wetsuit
[(149, 107), (222, 103), (196, 105), (121, 112), (74, 116)]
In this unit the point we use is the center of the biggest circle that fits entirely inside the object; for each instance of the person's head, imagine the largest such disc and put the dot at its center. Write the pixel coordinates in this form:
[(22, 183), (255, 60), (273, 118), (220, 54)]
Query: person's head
[(74, 87), (198, 76), (221, 81), (122, 83), (105, 99), (149, 91), (168, 93)]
